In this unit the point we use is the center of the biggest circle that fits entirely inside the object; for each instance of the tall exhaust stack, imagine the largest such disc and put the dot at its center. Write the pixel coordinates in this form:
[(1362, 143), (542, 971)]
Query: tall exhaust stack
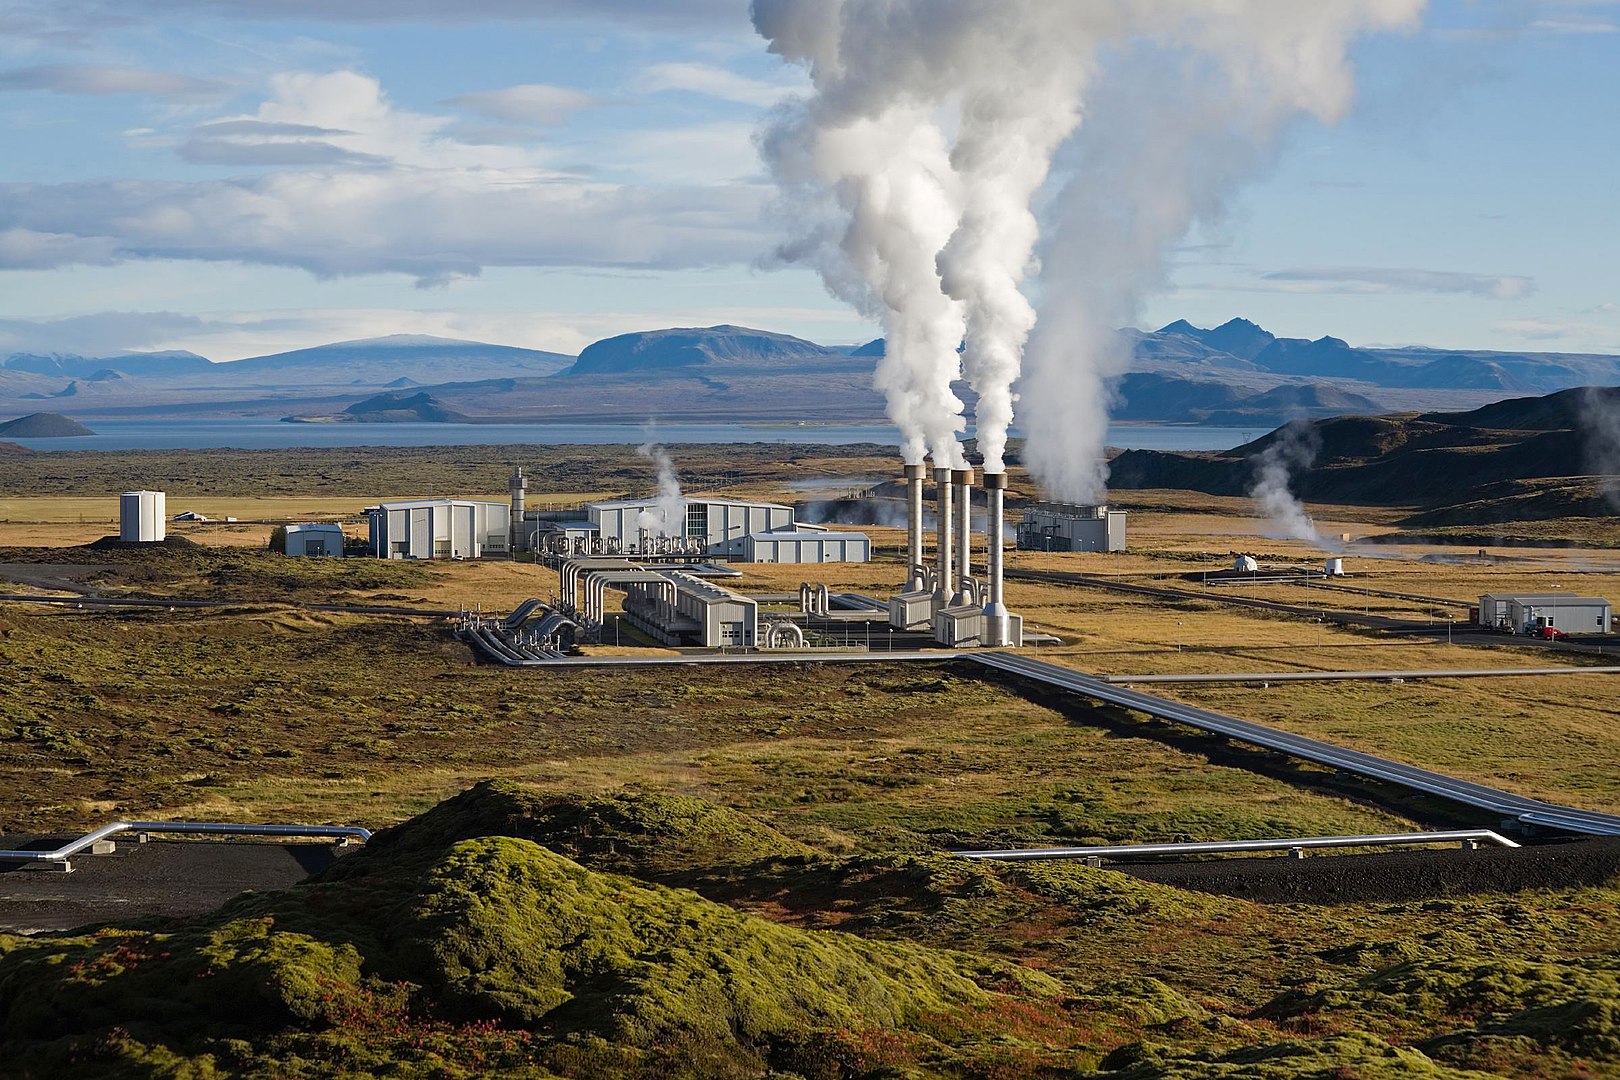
[(943, 580), (962, 483), (997, 628), (914, 526), (520, 489)]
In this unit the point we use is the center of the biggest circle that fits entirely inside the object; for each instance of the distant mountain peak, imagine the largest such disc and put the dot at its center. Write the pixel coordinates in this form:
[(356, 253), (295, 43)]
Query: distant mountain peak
[(694, 346), (397, 341)]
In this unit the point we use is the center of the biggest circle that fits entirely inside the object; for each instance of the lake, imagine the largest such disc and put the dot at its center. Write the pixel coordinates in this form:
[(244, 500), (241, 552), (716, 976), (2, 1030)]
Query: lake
[(271, 434)]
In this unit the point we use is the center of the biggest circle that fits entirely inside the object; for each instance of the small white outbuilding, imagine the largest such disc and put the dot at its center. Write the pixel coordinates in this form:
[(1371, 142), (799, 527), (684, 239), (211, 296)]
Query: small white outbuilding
[(315, 539)]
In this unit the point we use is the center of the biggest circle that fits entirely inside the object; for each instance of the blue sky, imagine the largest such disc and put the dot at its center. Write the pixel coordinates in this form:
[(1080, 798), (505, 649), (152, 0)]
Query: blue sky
[(244, 176)]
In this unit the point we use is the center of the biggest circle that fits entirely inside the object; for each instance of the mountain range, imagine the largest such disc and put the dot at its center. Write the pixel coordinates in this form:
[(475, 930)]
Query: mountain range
[(1521, 459), (1235, 374)]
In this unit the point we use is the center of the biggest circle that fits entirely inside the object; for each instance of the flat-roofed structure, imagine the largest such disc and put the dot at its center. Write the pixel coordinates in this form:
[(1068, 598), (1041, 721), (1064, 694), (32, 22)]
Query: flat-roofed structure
[(439, 529), (1071, 527), (799, 546), (719, 526), (1524, 613)]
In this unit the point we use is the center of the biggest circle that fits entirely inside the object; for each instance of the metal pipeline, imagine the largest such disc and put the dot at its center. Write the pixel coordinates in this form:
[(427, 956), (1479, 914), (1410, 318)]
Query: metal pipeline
[(962, 493), (914, 527), (944, 579), (997, 631)]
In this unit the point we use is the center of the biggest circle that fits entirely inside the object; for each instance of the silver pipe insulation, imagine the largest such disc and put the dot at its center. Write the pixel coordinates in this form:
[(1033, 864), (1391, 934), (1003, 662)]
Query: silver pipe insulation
[(962, 494), (997, 630), (944, 584), (106, 832), (1226, 846), (914, 527)]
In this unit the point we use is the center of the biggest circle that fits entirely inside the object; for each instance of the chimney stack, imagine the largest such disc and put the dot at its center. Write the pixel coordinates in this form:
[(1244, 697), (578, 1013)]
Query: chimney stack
[(943, 579), (962, 483), (914, 527), (520, 489), (997, 629)]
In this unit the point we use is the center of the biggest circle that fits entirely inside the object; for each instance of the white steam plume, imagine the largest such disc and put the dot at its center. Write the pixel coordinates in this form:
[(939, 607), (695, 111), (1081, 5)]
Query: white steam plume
[(1598, 410), (667, 517), (1292, 447), (1194, 99)]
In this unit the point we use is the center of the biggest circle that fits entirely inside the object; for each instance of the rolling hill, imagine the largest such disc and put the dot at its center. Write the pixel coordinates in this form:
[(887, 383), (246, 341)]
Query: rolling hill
[(1524, 459)]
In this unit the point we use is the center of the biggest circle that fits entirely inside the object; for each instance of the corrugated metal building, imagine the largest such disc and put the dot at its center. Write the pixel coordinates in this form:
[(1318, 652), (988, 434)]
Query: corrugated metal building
[(723, 618), (721, 525), (807, 547), (1071, 527), (1527, 612), (315, 539), (439, 529)]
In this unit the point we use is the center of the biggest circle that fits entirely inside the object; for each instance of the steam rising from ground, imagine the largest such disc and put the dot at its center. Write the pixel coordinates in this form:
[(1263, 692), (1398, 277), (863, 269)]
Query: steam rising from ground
[(667, 517), (1293, 448), (910, 173), (1600, 425)]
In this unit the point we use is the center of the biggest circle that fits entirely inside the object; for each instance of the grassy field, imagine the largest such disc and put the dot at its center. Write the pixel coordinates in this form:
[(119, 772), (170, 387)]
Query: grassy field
[(747, 862)]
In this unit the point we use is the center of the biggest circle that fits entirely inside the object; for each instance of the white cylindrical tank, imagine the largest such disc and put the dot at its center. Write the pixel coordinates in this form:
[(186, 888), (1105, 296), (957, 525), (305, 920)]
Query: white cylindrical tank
[(1333, 567), (142, 516), (1246, 564)]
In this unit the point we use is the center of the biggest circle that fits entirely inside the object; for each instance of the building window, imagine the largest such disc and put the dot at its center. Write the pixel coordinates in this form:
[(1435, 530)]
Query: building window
[(697, 520)]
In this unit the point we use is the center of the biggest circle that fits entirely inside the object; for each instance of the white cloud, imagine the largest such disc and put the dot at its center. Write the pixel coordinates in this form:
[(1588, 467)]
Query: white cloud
[(102, 333), (1368, 279), (715, 82), (531, 103), (109, 79)]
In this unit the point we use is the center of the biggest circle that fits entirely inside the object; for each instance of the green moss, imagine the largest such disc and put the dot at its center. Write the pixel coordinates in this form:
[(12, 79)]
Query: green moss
[(1347, 1057), (455, 956)]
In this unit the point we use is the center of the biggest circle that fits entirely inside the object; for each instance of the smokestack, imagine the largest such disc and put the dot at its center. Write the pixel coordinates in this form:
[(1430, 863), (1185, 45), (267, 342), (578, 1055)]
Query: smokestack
[(520, 488), (942, 552), (914, 526), (996, 629), (962, 481)]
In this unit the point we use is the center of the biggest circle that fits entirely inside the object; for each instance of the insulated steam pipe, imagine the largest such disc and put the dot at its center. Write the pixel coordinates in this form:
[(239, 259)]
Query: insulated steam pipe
[(914, 527), (996, 628), (944, 579), (962, 483)]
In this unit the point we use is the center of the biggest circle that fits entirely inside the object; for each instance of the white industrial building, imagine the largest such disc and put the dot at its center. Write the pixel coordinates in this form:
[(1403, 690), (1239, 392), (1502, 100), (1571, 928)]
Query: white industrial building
[(1071, 527), (807, 547), (713, 527), (315, 539), (143, 516), (439, 529), (719, 525), (1524, 613)]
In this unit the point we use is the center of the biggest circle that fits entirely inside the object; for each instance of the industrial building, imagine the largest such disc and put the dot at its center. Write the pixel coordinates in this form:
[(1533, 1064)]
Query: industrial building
[(1071, 527), (1525, 613), (711, 527), (671, 606), (807, 547), (142, 517), (315, 539), (439, 529)]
